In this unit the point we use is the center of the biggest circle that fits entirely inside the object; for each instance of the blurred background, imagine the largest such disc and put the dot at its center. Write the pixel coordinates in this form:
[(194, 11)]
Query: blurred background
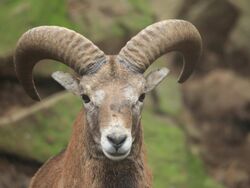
[(196, 134)]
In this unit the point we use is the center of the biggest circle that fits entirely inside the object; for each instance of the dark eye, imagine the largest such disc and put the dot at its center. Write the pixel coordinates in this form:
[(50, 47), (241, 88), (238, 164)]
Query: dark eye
[(142, 97), (85, 98)]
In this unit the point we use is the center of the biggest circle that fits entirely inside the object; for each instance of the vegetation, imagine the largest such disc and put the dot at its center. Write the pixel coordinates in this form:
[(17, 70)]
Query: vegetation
[(18, 16)]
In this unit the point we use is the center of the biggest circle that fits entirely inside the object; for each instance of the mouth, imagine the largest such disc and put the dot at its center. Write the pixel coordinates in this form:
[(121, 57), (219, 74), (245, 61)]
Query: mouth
[(116, 143), (116, 156)]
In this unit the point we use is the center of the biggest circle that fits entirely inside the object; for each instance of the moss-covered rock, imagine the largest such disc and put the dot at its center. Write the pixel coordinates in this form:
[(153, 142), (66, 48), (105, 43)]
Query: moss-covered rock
[(41, 130), (241, 34)]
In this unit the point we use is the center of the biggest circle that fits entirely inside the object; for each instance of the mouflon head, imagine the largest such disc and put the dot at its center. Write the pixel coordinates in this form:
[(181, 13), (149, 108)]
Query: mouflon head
[(112, 88)]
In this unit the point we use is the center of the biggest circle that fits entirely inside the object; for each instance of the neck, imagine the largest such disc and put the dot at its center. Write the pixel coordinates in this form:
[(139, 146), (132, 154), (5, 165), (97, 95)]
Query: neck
[(85, 166)]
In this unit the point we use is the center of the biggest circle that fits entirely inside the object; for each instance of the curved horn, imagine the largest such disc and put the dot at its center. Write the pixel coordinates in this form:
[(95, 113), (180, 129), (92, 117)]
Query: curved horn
[(160, 38), (57, 43)]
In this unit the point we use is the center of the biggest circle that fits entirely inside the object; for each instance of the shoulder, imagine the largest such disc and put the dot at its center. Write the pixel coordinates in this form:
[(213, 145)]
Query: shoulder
[(46, 175)]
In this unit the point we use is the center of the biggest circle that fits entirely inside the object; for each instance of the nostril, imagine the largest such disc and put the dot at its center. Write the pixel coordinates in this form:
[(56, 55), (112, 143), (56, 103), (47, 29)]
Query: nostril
[(111, 138), (117, 141), (121, 139)]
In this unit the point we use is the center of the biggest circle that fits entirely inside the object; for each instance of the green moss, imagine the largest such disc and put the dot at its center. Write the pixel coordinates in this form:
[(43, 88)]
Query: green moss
[(141, 6), (138, 22), (172, 164), (18, 16)]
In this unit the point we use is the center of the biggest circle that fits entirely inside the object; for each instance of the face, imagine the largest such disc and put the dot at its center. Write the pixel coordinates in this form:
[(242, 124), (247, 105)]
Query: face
[(113, 110), (113, 103)]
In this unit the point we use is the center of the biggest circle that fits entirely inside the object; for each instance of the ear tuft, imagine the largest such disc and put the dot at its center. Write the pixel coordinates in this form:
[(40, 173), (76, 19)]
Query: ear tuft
[(67, 81), (156, 77)]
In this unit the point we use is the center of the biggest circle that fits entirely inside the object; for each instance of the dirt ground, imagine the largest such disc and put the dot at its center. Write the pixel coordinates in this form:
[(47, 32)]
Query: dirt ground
[(16, 172), (225, 150)]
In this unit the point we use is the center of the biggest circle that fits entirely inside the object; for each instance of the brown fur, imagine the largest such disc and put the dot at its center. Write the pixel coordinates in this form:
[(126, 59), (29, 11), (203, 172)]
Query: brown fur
[(79, 167)]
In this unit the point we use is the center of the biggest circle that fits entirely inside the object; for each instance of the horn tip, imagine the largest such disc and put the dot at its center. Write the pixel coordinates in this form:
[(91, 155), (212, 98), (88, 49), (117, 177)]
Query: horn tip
[(180, 81), (183, 78), (36, 97)]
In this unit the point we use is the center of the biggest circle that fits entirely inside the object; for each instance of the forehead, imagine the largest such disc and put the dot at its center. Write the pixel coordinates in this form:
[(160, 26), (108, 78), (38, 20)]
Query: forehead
[(113, 77)]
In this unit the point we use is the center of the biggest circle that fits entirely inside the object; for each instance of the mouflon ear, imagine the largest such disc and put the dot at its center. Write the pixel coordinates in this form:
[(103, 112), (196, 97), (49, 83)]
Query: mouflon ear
[(155, 77), (68, 81)]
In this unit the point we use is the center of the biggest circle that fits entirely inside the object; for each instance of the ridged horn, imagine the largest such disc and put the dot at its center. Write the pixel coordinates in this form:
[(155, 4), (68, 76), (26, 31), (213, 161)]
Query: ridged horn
[(160, 38), (57, 43)]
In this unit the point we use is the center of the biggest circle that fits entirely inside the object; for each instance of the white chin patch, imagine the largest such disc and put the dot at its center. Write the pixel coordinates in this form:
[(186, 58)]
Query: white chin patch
[(115, 158), (108, 148)]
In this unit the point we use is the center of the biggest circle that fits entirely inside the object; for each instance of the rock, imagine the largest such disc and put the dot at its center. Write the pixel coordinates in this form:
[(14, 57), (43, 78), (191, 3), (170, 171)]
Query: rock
[(241, 34), (7, 66), (215, 19), (217, 117), (220, 94)]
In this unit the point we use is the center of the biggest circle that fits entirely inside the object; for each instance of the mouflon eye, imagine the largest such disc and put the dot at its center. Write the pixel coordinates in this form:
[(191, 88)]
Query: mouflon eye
[(142, 97), (85, 98)]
